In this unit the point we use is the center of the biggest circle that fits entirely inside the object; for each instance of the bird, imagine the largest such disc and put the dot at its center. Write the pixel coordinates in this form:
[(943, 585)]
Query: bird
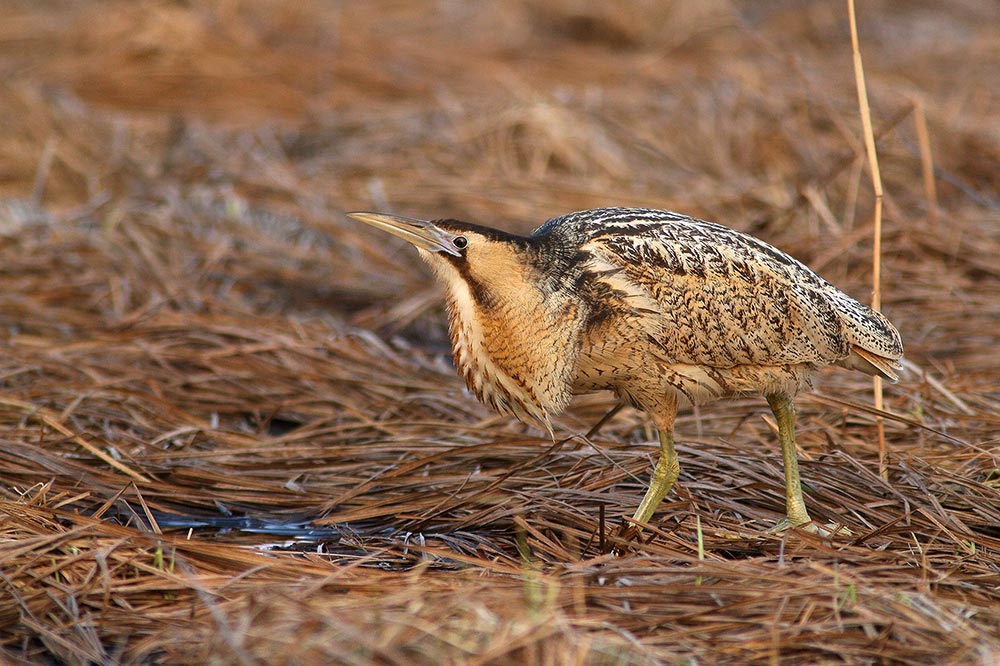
[(660, 308)]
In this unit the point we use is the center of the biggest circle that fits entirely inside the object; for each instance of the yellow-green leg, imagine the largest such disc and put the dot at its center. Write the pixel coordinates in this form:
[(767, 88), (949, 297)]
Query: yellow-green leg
[(666, 472), (784, 414)]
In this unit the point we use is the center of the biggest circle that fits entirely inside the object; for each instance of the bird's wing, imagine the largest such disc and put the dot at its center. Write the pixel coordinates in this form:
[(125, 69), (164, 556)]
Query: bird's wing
[(724, 298)]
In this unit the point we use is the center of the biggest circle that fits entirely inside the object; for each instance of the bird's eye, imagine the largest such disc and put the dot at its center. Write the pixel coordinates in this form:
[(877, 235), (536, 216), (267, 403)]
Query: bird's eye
[(461, 242)]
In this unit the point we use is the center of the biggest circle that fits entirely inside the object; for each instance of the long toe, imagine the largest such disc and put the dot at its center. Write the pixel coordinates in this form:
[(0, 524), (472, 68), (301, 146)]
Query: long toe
[(786, 524), (828, 530)]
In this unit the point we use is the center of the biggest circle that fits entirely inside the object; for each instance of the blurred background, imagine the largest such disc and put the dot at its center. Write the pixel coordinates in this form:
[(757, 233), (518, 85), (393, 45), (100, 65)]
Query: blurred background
[(269, 118), (279, 115)]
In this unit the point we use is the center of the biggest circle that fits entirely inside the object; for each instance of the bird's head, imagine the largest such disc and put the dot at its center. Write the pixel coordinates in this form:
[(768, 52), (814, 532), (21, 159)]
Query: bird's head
[(506, 311), (487, 261)]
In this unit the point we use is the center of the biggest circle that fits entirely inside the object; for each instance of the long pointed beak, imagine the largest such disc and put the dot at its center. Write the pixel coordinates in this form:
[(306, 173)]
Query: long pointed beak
[(420, 233)]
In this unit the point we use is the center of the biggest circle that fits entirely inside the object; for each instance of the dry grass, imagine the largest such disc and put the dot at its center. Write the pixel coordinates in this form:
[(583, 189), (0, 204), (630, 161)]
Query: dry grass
[(230, 428)]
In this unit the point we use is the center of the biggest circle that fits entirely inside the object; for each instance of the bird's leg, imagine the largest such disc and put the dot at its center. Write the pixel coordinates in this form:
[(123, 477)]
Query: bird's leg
[(666, 472), (784, 414), (604, 419)]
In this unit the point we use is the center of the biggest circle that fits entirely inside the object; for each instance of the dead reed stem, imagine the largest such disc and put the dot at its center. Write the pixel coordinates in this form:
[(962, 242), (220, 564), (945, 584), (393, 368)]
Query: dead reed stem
[(926, 161), (872, 153)]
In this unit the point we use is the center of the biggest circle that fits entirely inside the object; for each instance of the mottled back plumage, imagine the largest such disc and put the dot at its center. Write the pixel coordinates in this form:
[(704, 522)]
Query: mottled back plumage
[(726, 297)]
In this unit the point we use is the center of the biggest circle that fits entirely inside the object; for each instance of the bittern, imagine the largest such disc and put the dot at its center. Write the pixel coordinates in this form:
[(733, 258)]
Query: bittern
[(655, 306)]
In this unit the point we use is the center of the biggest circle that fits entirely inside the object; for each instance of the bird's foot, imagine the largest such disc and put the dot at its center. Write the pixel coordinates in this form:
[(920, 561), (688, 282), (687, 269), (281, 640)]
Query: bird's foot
[(828, 530), (786, 524), (628, 537), (624, 538)]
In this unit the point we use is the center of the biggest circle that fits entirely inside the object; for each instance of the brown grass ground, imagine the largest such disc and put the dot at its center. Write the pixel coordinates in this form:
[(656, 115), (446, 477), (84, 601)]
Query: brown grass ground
[(230, 429)]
